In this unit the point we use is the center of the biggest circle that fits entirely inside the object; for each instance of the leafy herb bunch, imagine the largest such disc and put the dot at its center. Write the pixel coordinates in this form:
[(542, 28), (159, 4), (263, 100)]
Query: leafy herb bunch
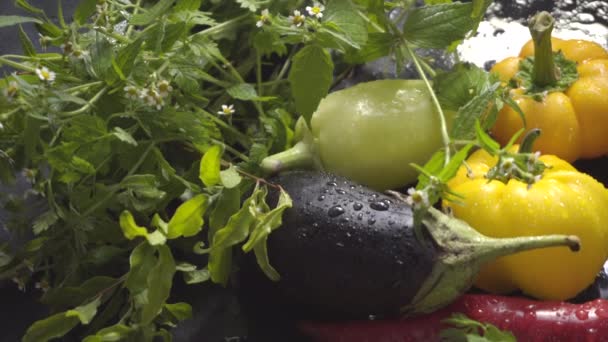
[(148, 126)]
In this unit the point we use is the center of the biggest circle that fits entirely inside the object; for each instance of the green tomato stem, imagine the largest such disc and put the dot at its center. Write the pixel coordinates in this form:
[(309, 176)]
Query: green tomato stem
[(544, 72)]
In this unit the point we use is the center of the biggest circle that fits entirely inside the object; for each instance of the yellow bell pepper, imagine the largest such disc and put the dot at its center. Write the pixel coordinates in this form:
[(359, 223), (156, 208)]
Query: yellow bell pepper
[(562, 201), (570, 109)]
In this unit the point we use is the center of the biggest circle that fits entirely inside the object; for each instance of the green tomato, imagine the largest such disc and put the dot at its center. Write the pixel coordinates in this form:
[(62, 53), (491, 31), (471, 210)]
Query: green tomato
[(370, 133)]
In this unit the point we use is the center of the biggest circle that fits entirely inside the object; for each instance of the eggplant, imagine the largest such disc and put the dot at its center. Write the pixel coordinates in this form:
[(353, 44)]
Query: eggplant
[(345, 251)]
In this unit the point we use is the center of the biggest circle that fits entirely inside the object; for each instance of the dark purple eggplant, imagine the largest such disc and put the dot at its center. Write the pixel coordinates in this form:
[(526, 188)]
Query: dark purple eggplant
[(345, 251)]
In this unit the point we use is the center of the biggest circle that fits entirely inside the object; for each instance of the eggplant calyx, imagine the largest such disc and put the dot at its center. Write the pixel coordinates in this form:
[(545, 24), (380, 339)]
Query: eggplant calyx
[(463, 251), (302, 155)]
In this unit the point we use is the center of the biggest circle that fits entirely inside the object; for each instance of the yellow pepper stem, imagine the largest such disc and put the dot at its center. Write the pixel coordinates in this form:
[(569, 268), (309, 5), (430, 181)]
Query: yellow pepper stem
[(545, 72)]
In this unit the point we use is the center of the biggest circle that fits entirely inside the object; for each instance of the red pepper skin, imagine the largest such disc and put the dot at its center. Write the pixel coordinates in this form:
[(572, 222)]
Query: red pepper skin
[(529, 320)]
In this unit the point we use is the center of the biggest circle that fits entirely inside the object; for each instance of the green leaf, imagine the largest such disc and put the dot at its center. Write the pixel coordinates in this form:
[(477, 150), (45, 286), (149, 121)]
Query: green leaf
[(26, 43), (181, 311), (246, 92), (10, 20), (124, 136), (54, 326), (460, 85), (233, 232), (115, 333), (432, 167), (344, 15), (568, 74), (310, 77), (378, 45), (128, 55), (451, 169), (84, 11), (85, 313), (44, 222), (197, 276), (439, 25), (101, 60), (230, 177), (131, 230), (465, 329), (152, 13), (187, 5), (188, 218), (485, 140), (209, 170), (160, 280), (141, 261), (269, 221), (173, 32), (251, 5), (479, 108)]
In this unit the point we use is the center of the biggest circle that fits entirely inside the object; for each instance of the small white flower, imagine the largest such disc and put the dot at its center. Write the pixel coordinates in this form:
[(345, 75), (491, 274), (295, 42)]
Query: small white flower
[(20, 284), (297, 19), (152, 98), (316, 10), (44, 74), (226, 110), (164, 88), (131, 92), (507, 165), (417, 198), (264, 18), (11, 91), (80, 54)]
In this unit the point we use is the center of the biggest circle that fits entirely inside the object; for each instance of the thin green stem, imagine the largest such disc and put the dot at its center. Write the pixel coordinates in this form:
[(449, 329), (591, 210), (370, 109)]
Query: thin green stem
[(87, 106), (83, 86), (231, 149), (242, 138), (444, 126), (284, 68), (16, 65), (135, 10), (258, 72), (220, 27)]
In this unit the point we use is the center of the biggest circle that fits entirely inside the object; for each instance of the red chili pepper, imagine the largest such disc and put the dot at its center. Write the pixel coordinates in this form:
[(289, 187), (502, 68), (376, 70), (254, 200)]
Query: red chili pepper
[(527, 319)]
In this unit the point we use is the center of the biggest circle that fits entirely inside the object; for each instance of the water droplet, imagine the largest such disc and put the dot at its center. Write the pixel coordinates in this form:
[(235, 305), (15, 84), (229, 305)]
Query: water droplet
[(335, 211), (309, 203), (371, 221), (359, 216), (339, 244), (321, 198), (391, 222), (340, 191), (380, 205), (357, 206), (582, 314), (371, 317), (326, 190), (399, 262), (348, 235), (332, 183), (315, 225), (344, 220)]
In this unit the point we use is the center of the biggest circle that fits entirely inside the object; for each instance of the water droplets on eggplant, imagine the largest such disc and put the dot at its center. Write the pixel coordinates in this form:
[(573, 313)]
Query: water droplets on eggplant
[(340, 191), (335, 211), (357, 206), (321, 198), (380, 205)]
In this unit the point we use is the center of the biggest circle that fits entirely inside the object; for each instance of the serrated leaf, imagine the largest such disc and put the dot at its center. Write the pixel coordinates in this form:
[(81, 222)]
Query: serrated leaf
[(243, 91), (26, 43), (44, 221), (209, 170), (377, 45), (85, 313), (460, 85), (310, 77), (101, 60), (84, 11), (124, 136), (173, 32), (188, 218), (478, 108), (10, 20), (438, 26), (159, 280), (344, 15), (152, 13), (127, 56), (230, 177)]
